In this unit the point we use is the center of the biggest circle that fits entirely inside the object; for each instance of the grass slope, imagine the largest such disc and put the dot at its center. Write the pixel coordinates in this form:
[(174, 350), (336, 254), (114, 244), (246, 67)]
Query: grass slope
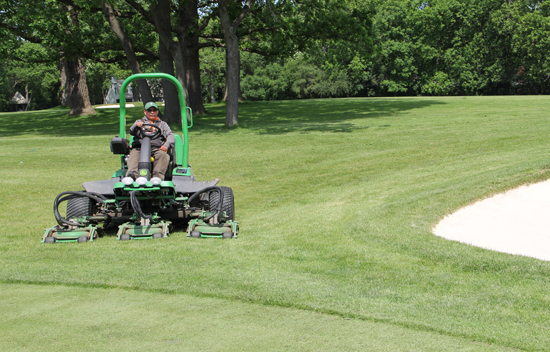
[(335, 198)]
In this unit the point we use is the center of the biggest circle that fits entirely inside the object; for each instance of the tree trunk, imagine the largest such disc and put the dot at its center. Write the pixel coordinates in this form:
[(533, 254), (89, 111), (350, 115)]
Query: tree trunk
[(212, 88), (160, 13), (189, 39), (172, 111), (75, 87), (64, 94), (232, 80), (241, 97), (193, 75), (233, 60), (137, 96), (145, 91)]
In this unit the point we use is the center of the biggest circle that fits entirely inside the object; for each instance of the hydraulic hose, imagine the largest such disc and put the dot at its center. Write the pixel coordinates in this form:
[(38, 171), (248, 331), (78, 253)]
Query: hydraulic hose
[(218, 208), (71, 195), (137, 207)]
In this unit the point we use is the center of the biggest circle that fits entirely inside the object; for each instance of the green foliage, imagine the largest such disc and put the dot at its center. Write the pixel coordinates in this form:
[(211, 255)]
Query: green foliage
[(38, 81), (312, 48), (440, 85), (4, 88), (212, 74), (460, 47), (297, 78), (439, 47), (263, 82), (63, 30), (529, 26)]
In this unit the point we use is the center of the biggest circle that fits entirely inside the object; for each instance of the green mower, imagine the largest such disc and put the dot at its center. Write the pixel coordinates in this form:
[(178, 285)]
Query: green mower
[(146, 207)]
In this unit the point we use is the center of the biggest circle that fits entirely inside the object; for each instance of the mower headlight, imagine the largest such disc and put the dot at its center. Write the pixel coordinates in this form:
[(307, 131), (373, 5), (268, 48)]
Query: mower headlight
[(156, 181), (127, 181), (141, 181)]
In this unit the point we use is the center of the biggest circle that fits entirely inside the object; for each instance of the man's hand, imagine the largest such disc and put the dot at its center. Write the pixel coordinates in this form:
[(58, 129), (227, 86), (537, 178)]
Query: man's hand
[(139, 123), (163, 148)]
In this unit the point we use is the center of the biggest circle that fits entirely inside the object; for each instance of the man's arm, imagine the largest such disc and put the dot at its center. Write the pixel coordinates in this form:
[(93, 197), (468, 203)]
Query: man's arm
[(133, 128), (168, 136)]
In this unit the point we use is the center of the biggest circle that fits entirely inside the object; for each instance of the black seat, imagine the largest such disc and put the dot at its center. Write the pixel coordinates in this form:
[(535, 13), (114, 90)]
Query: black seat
[(170, 168), (119, 145)]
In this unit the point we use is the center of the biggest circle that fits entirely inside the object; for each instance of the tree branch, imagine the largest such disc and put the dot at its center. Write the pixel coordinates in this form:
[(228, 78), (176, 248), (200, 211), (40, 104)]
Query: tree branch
[(20, 33), (237, 22), (141, 11), (78, 7)]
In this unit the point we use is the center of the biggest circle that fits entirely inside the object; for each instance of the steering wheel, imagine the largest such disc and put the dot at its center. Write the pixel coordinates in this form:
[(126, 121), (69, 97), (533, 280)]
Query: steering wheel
[(153, 131)]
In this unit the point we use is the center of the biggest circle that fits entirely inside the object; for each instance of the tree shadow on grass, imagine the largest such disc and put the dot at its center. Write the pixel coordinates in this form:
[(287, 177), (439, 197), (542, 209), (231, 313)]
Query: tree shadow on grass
[(274, 117), (56, 122), (303, 116)]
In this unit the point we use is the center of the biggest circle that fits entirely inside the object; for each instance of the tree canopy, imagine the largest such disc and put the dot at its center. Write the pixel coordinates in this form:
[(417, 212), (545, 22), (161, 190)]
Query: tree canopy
[(266, 49)]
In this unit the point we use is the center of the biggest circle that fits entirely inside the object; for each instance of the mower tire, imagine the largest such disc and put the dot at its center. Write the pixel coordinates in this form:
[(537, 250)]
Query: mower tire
[(82, 239), (125, 237), (195, 234), (227, 235), (228, 204), (79, 207), (49, 240)]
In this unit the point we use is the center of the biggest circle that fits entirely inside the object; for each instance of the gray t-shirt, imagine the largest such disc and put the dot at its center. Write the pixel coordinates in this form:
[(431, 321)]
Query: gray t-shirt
[(165, 138)]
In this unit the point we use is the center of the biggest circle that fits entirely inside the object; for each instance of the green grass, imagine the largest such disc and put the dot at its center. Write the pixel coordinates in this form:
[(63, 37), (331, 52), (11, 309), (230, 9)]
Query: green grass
[(84, 319), (335, 199)]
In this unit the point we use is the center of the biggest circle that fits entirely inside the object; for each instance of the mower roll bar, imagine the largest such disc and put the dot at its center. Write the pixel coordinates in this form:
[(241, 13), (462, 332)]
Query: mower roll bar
[(183, 108)]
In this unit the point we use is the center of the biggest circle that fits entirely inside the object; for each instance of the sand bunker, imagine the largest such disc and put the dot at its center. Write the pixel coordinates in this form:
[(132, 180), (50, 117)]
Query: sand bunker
[(516, 222), (114, 106)]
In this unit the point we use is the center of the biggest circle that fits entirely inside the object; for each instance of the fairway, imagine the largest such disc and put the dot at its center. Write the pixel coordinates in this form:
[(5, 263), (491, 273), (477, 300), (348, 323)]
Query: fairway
[(117, 320), (335, 199)]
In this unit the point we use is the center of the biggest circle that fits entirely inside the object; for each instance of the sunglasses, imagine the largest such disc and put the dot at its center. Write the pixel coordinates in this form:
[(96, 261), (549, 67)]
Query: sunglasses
[(152, 110)]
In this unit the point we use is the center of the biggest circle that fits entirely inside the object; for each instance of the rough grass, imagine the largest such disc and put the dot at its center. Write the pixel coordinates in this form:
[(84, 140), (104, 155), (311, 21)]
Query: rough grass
[(335, 198)]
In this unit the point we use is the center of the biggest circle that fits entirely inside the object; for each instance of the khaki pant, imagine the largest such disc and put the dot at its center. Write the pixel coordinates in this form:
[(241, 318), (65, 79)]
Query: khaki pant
[(159, 165)]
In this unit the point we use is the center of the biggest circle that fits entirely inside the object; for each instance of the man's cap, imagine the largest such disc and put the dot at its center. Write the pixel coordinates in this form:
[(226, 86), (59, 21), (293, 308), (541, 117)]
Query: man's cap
[(150, 105)]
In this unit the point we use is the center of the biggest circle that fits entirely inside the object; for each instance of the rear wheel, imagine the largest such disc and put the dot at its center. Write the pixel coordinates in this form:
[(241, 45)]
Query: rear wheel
[(227, 235), (195, 234), (157, 235), (125, 237), (82, 239), (79, 207), (49, 240), (228, 204)]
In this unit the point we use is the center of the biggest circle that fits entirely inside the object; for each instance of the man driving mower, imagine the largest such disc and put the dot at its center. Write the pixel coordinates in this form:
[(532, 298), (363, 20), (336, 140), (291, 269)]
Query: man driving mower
[(159, 144)]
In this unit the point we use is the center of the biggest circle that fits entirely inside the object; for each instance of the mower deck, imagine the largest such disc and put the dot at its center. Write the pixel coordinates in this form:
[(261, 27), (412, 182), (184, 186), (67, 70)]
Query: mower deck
[(77, 234), (198, 228), (130, 231)]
